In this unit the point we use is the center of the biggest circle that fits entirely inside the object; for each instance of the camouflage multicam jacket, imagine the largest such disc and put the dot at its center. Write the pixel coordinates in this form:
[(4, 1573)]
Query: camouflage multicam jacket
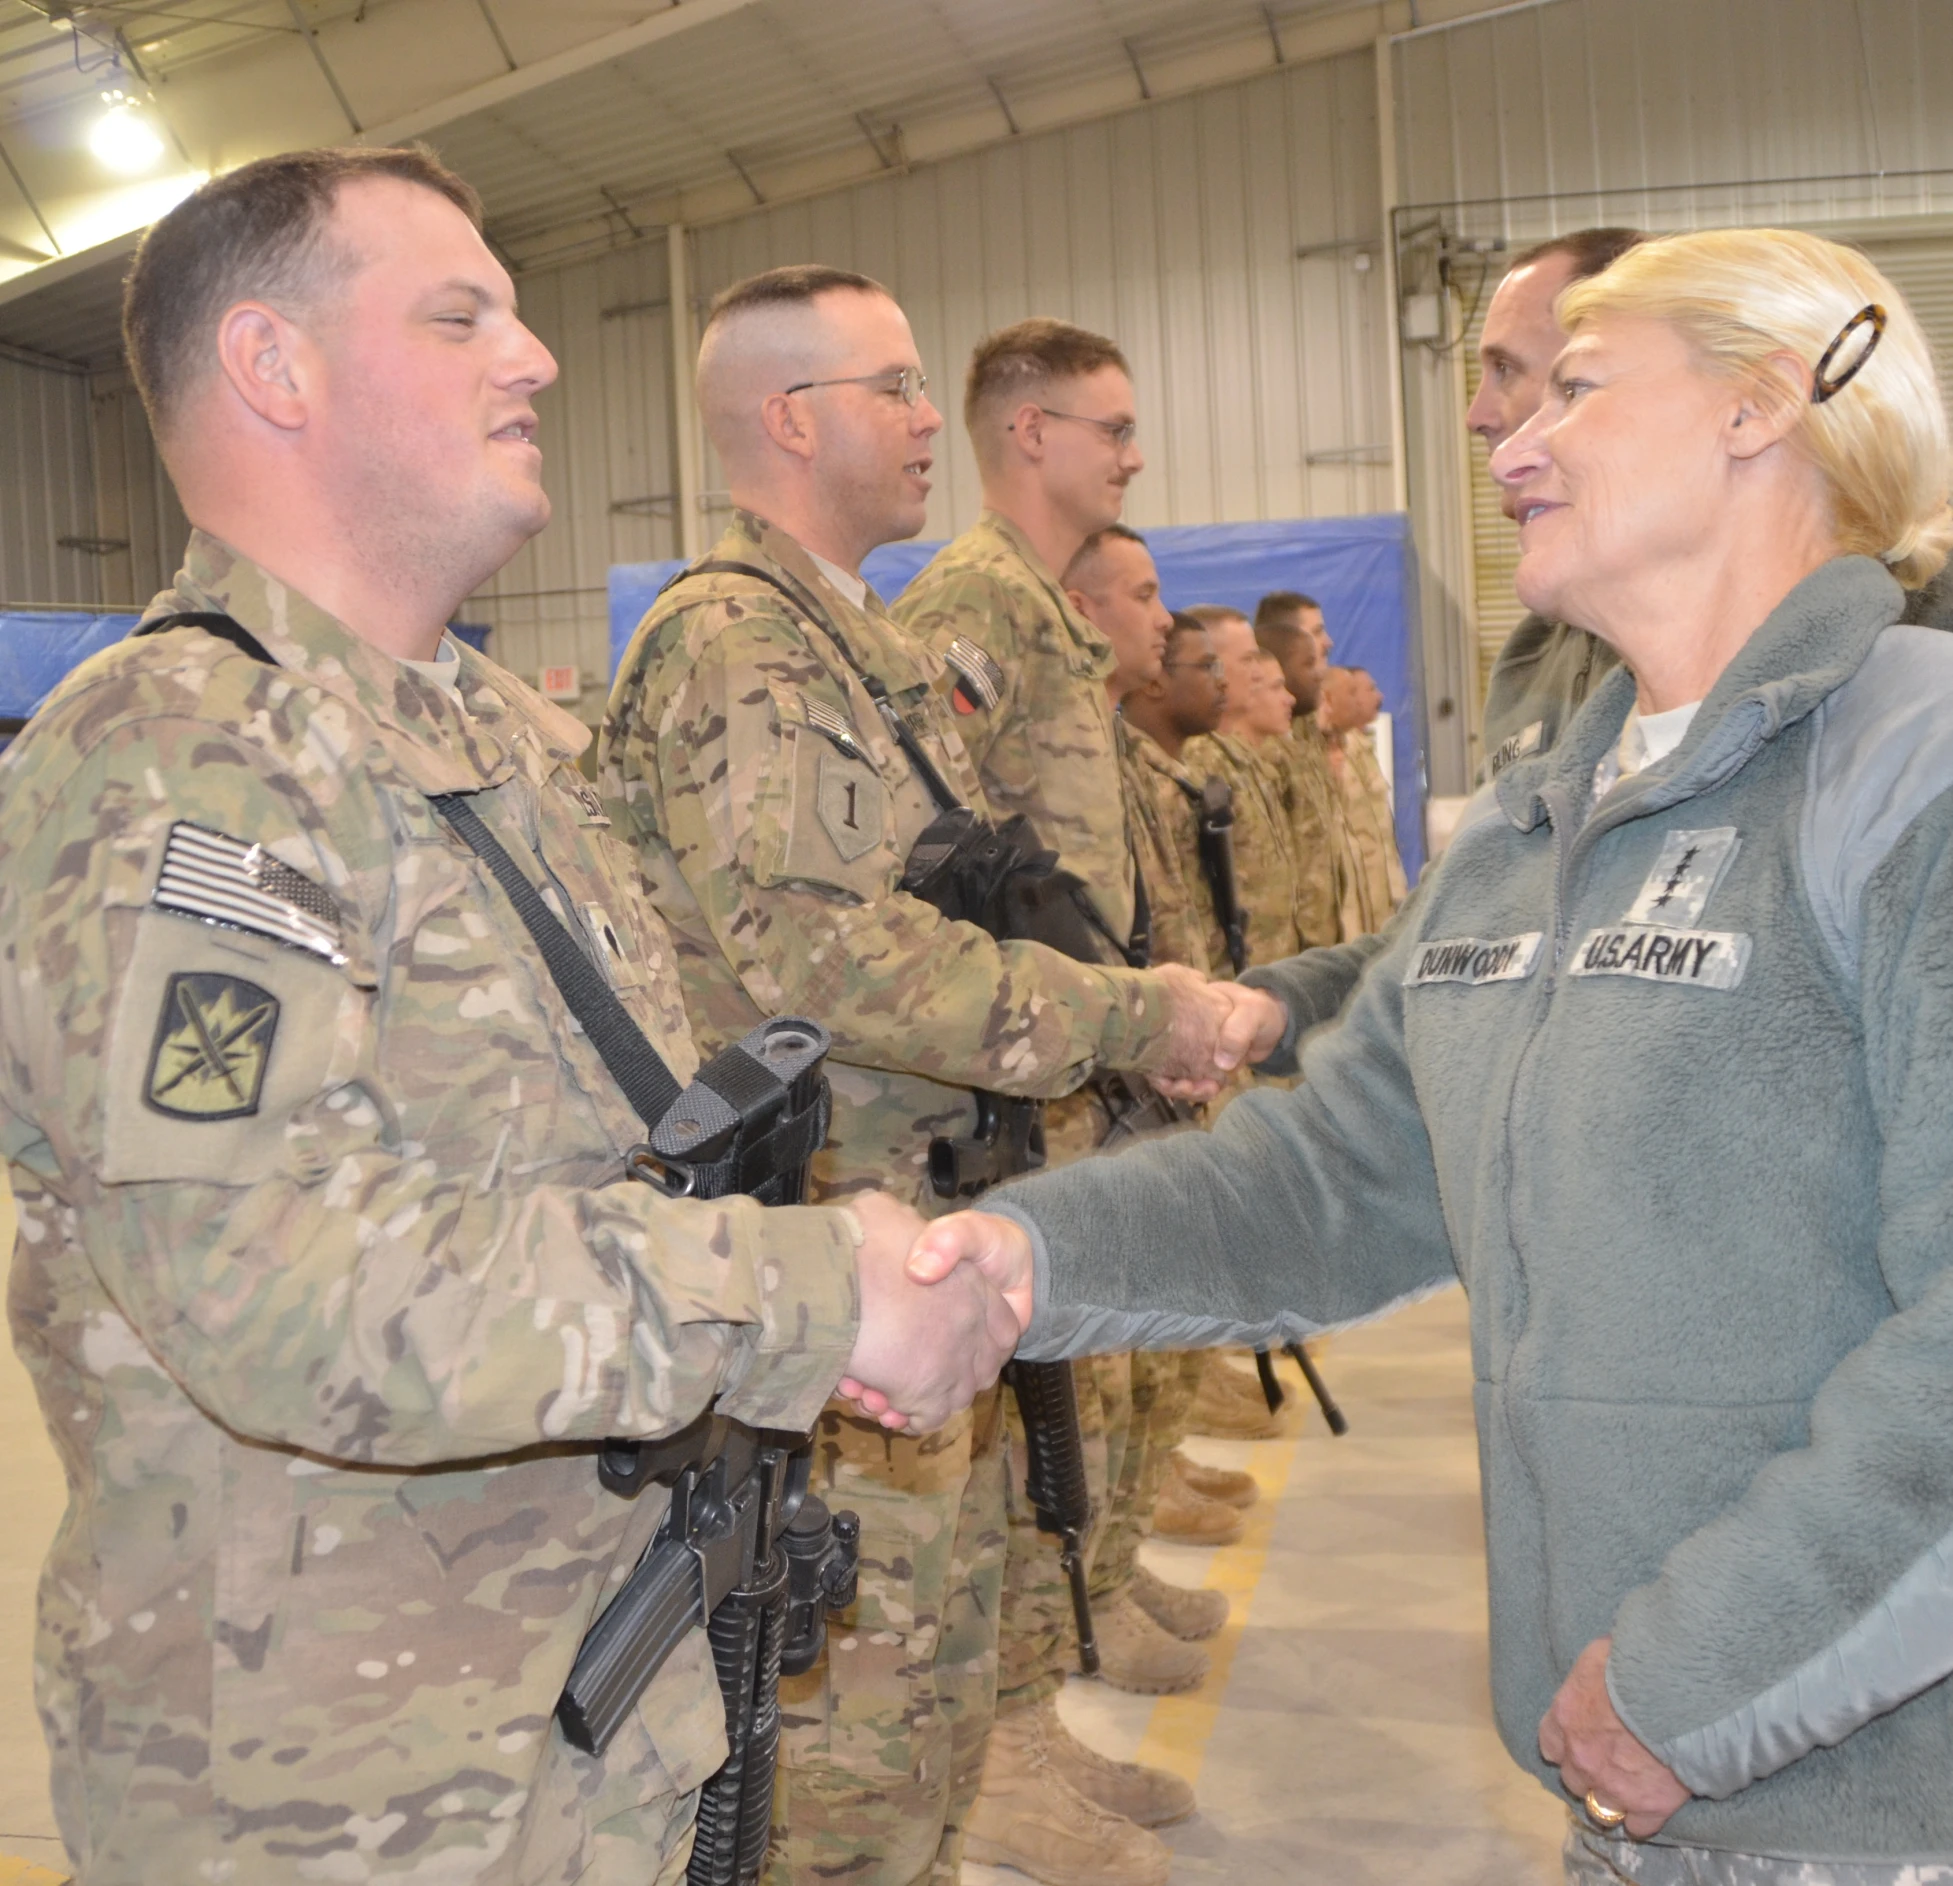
[(1162, 802), (774, 813), (1047, 747), (1315, 821), (1376, 883), (1265, 863), (328, 1275)]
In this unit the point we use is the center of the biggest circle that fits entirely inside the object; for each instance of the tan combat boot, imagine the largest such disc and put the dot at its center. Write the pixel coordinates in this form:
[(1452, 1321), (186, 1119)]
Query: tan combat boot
[(1191, 1616), (1135, 1654), (1027, 1815), (1213, 1483), (1149, 1797), (1183, 1515), (1222, 1411)]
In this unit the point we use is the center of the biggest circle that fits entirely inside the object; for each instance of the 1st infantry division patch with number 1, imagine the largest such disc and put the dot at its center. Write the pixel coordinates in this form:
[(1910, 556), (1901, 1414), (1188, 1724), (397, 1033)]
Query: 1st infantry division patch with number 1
[(213, 1044)]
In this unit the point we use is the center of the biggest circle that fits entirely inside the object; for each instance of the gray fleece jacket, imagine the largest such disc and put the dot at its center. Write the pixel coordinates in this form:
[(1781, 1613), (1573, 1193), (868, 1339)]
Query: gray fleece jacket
[(1667, 1080)]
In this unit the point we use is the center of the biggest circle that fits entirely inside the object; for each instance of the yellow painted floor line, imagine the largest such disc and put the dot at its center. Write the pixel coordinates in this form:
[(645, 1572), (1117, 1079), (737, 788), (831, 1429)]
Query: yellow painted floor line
[(26, 1873), (1179, 1728)]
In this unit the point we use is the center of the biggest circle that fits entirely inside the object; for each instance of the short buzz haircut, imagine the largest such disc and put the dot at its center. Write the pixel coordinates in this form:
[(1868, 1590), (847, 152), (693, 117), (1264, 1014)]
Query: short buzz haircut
[(1209, 613), (1023, 361), (1183, 625), (257, 233), (1590, 251), (793, 286), (1094, 544), (1275, 613)]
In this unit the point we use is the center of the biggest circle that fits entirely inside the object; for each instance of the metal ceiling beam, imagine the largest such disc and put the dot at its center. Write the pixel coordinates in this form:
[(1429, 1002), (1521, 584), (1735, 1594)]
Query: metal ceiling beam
[(318, 53), (501, 45), (677, 18), (27, 197)]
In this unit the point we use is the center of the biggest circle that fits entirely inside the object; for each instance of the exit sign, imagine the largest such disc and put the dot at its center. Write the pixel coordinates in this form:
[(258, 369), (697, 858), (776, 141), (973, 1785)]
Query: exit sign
[(561, 684)]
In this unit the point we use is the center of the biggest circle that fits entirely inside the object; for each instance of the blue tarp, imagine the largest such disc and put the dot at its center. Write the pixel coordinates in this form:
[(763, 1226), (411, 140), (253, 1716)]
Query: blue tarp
[(37, 647), (1359, 568)]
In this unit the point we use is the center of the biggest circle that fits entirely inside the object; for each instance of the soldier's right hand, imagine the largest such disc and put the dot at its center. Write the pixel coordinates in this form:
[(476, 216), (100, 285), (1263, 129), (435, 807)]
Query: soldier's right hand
[(923, 1351), (1215, 1026)]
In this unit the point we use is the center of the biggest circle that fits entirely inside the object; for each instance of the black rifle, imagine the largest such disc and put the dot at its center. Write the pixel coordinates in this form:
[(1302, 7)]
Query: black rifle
[(1273, 1394), (745, 1549), (1214, 816)]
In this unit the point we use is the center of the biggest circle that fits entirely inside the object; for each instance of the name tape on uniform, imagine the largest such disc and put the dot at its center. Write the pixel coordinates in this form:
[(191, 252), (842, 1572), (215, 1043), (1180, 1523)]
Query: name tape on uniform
[(1701, 959), (1515, 747), (1475, 960)]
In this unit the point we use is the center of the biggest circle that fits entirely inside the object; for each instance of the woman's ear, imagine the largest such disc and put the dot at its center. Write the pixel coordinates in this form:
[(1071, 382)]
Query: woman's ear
[(1768, 407)]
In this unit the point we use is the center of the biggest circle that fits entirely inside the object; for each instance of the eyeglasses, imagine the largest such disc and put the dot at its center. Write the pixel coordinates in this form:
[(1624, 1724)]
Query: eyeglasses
[(907, 383), (1211, 666), (1121, 432)]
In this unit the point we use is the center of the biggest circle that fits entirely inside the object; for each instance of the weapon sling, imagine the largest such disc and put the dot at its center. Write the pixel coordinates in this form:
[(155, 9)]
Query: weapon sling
[(1009, 1140), (745, 1549)]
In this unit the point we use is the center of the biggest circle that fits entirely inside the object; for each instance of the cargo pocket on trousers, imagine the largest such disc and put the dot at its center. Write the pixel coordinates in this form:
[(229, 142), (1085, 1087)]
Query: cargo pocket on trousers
[(866, 1708)]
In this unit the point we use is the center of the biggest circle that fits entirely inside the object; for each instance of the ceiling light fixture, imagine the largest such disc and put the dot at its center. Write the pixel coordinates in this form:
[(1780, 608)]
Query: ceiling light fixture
[(123, 140)]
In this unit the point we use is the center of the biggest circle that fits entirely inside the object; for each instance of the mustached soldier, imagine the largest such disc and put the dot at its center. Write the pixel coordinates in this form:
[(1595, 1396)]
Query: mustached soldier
[(329, 1277), (744, 753)]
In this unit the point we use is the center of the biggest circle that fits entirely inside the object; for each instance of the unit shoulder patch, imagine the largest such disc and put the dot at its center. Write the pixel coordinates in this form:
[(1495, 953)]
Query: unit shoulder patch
[(1698, 959), (213, 1044), (848, 801), (1474, 960)]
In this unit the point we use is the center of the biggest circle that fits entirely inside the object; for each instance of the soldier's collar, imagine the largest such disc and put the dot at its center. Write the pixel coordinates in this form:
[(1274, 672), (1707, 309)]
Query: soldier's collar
[(441, 742), (900, 662), (1094, 652)]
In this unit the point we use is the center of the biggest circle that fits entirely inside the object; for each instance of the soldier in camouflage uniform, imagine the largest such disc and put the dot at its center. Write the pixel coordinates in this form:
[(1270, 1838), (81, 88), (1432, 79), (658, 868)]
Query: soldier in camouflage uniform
[(744, 755), (1264, 839), (1049, 409), (328, 1274), (1179, 1497), (1350, 703), (1288, 626)]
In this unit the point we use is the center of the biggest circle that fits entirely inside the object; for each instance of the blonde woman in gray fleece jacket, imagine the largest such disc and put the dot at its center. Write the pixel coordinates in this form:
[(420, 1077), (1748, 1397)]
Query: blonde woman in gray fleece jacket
[(1662, 1068)]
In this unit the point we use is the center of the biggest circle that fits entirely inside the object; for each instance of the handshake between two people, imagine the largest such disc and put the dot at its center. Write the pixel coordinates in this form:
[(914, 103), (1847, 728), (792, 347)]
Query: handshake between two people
[(942, 1308), (944, 1304)]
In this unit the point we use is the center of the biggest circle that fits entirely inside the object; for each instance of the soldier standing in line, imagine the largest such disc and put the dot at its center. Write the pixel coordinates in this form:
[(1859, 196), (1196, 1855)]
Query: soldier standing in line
[(1181, 1498), (1350, 703), (1112, 583), (329, 1275), (1050, 413), (1278, 888), (1289, 626), (746, 753)]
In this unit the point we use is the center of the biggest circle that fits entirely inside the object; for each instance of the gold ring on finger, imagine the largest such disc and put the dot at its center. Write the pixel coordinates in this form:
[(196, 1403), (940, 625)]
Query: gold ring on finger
[(1601, 1814)]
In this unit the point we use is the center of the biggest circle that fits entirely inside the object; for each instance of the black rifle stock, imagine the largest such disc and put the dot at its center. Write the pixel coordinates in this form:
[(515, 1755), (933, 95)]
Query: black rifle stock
[(1214, 816)]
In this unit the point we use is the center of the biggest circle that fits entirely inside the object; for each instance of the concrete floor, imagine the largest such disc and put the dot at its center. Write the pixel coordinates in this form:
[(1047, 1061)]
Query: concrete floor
[(1343, 1737), (1344, 1734)]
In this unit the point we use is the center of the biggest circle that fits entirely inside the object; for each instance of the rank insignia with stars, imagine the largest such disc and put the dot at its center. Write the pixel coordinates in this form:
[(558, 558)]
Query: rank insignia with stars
[(213, 1043)]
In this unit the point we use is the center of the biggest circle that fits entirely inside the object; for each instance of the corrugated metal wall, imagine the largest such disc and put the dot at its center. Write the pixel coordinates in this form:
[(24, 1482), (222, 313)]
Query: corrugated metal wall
[(47, 488), (135, 500), (1175, 230), (1673, 114), (607, 462)]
